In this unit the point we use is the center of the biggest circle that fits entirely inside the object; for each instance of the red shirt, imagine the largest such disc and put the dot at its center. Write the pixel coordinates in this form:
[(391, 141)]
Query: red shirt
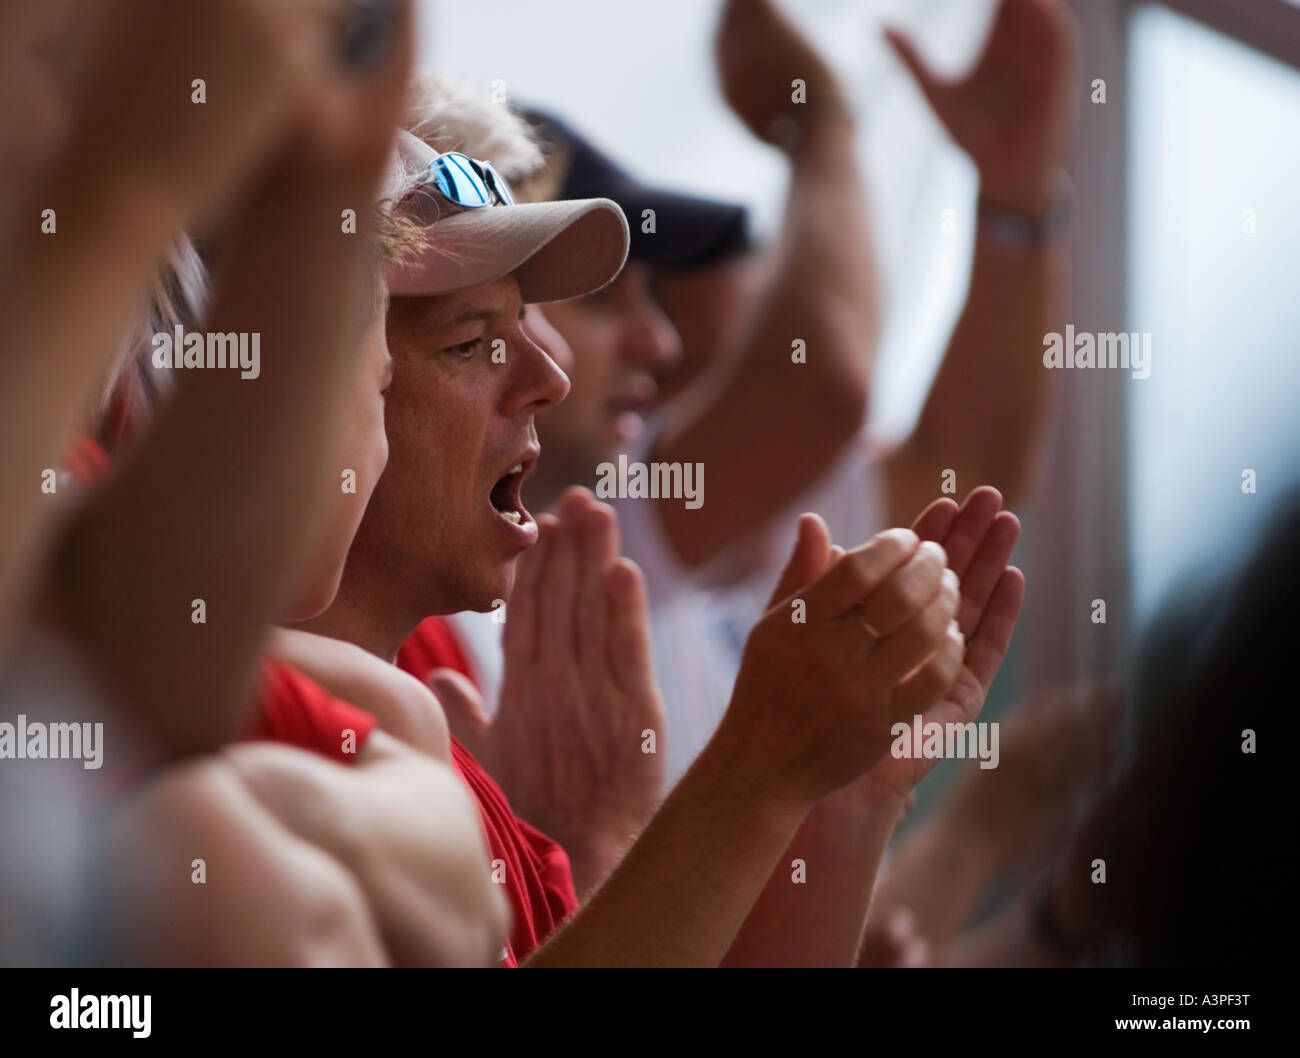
[(299, 712), (533, 868), (537, 877), (434, 645)]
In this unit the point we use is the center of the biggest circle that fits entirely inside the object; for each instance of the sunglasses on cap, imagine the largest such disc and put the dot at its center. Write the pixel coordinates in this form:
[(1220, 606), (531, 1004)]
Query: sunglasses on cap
[(464, 182)]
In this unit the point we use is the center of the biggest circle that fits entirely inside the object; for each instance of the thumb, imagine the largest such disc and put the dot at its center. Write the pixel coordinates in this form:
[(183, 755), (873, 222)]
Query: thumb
[(809, 560), (466, 713)]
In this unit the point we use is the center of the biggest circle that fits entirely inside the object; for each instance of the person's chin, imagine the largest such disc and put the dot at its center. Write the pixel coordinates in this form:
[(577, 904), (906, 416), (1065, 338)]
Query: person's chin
[(495, 584)]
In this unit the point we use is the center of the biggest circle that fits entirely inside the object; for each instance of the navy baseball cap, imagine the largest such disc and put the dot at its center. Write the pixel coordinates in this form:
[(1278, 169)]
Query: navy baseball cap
[(689, 231)]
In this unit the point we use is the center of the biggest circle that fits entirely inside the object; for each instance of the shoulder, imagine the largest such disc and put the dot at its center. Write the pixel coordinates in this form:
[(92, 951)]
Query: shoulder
[(309, 910), (404, 707)]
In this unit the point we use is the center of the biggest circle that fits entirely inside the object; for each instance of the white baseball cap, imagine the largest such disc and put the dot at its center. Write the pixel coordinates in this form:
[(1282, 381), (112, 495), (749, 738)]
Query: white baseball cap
[(556, 250)]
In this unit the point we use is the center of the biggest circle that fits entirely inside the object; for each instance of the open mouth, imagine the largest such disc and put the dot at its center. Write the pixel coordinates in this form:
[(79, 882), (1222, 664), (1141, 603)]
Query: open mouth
[(505, 495)]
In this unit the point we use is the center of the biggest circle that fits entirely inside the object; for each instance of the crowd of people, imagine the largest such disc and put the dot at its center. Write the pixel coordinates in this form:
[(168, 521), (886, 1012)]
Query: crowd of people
[(312, 367)]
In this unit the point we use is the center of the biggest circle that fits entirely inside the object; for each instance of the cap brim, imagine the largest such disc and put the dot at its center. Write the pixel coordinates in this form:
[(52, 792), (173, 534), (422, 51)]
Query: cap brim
[(556, 250), (688, 231)]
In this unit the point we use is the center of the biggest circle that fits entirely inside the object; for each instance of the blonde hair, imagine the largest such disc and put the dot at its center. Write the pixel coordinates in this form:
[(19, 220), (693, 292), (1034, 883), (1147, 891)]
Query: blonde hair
[(452, 115), (397, 237)]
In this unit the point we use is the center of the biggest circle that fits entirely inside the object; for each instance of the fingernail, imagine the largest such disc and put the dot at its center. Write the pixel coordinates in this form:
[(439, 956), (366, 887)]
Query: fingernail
[(905, 537), (936, 550)]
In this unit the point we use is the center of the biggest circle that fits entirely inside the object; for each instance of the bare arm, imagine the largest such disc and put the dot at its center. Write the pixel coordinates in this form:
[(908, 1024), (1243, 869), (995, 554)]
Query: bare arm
[(681, 894), (153, 541), (819, 920), (986, 410), (1012, 114), (822, 294), (67, 292), (140, 551)]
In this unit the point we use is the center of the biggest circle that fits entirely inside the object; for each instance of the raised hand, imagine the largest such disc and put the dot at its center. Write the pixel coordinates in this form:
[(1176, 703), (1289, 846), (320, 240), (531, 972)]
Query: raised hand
[(137, 116), (819, 684), (759, 53), (978, 538), (579, 693), (365, 70), (285, 274), (1011, 112), (272, 138)]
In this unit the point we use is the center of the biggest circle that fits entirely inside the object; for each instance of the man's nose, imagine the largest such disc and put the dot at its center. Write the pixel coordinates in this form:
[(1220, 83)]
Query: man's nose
[(536, 380), (651, 341)]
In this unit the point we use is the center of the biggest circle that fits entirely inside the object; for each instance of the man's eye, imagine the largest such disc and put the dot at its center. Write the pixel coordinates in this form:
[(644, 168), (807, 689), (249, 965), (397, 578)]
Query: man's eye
[(467, 349)]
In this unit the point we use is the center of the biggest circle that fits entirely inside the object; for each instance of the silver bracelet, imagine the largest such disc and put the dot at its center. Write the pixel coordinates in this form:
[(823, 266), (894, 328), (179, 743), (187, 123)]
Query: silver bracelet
[(1023, 231)]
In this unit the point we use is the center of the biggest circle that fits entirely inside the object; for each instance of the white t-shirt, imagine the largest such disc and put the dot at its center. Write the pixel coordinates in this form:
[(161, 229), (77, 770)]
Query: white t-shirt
[(701, 618), (480, 638)]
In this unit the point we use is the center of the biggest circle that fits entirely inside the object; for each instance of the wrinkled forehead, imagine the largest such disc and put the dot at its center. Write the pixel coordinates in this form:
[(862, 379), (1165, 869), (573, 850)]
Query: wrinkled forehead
[(491, 303)]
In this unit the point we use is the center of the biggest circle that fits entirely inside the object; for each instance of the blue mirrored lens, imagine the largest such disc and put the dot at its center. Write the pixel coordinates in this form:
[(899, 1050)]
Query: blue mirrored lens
[(498, 184), (457, 180)]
